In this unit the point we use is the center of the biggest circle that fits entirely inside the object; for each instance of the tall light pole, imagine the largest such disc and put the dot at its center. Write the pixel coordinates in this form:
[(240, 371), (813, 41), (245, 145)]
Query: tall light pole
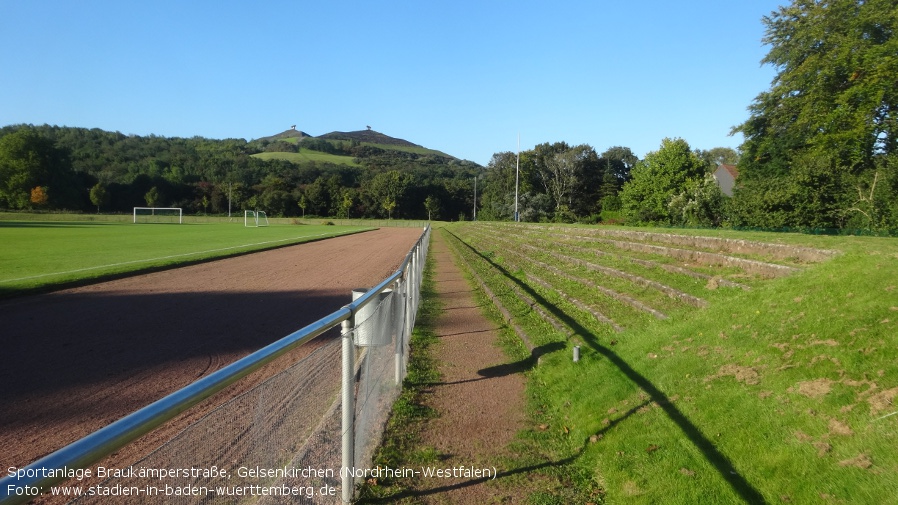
[(517, 176), (475, 198)]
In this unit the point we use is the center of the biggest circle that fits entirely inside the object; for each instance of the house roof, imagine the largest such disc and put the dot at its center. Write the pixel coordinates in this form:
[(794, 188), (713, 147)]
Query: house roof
[(731, 169)]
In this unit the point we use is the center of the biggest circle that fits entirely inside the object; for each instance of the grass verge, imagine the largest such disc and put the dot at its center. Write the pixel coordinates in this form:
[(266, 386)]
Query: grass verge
[(401, 443)]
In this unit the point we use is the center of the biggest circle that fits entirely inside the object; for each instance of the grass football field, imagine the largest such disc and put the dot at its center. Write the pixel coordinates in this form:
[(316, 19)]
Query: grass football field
[(41, 255)]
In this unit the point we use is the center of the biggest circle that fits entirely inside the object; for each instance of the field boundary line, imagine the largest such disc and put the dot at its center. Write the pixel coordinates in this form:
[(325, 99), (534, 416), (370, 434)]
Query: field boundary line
[(171, 256)]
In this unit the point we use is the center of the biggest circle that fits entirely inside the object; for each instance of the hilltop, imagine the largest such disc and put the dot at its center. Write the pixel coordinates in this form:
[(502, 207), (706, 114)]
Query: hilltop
[(370, 136), (287, 134), (362, 147)]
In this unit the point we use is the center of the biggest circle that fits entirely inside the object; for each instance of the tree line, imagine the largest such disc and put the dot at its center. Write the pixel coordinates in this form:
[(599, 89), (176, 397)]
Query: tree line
[(820, 149), (91, 170)]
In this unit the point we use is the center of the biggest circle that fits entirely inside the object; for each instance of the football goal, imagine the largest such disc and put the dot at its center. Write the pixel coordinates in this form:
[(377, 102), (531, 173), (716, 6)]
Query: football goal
[(254, 218), (158, 215)]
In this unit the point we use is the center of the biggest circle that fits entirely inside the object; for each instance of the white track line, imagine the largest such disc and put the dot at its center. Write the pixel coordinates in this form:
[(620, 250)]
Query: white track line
[(110, 265)]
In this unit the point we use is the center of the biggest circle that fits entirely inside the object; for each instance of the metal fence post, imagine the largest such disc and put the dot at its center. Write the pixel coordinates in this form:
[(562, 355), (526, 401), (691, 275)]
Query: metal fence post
[(399, 324), (348, 409)]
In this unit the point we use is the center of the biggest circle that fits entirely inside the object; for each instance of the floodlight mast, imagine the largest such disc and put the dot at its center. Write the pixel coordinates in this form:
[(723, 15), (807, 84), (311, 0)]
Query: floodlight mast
[(517, 176), (475, 198)]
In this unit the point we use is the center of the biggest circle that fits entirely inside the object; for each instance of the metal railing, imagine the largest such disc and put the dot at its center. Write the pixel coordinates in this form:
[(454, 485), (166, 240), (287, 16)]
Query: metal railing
[(28, 482)]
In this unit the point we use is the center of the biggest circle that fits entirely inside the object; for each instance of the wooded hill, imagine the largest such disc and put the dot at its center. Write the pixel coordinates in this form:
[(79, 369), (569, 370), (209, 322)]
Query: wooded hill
[(341, 174), (345, 148)]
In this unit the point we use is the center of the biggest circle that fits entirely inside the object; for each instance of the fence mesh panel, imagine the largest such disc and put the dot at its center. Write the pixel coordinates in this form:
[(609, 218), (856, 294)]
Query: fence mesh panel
[(291, 421), (280, 441), (377, 387)]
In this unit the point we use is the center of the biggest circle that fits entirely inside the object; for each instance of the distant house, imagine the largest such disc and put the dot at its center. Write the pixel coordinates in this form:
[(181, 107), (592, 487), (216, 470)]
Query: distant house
[(726, 175)]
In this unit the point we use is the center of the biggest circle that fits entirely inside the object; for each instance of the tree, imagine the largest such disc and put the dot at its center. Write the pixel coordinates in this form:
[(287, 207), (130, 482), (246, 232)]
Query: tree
[(303, 203), (39, 196), (497, 196), (554, 176), (388, 188), (699, 204), (621, 161), (345, 204), (719, 156), (28, 160), (432, 206), (152, 196), (99, 196), (657, 179), (834, 93)]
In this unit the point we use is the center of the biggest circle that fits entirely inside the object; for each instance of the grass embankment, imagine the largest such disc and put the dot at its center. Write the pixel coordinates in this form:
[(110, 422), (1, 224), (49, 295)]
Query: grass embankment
[(42, 255), (308, 155), (780, 389)]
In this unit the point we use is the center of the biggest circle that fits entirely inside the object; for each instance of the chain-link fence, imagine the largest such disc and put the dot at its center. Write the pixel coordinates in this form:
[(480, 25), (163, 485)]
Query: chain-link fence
[(284, 440), (254, 441)]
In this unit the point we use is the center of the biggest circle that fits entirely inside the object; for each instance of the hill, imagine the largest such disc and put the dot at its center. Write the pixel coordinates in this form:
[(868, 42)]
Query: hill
[(369, 136), (286, 134), (100, 171), (343, 147)]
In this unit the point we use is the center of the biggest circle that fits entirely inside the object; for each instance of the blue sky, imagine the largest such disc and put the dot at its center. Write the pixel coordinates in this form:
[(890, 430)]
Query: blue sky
[(464, 77)]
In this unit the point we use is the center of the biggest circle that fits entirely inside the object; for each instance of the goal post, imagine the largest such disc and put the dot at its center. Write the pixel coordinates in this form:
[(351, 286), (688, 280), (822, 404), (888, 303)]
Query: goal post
[(254, 218), (158, 215)]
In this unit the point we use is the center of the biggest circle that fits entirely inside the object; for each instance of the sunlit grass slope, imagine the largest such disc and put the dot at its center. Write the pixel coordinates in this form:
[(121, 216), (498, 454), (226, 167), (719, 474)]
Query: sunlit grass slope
[(780, 388)]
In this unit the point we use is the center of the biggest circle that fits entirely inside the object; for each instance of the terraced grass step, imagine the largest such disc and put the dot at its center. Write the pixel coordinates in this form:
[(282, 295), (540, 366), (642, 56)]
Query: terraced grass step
[(718, 244), (717, 279)]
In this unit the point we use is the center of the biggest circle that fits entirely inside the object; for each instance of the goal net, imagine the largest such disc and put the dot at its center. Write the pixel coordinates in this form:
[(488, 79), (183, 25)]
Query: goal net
[(254, 218), (158, 215)]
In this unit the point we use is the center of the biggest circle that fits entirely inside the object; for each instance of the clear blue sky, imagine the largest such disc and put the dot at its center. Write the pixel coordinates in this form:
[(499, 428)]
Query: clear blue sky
[(464, 77)]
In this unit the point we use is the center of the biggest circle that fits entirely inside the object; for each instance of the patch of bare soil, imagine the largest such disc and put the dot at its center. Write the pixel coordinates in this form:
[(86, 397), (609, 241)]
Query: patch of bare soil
[(745, 374), (860, 461), (79, 359), (837, 427), (480, 400), (815, 388), (883, 400)]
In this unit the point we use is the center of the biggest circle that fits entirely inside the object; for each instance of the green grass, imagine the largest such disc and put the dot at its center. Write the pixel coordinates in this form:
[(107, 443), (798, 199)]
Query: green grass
[(392, 147), (780, 394), (41, 255), (308, 155)]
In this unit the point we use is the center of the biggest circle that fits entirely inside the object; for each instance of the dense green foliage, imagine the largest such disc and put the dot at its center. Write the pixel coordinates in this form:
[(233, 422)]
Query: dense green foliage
[(671, 186), (821, 145), (555, 182), (29, 161), (94, 170)]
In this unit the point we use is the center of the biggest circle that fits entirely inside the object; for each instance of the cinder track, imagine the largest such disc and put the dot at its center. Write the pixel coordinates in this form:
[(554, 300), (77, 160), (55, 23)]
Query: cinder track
[(76, 360)]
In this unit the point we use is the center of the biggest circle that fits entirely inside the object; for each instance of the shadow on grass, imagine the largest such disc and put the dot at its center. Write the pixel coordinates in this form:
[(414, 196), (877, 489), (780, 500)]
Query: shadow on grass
[(409, 493), (717, 459)]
